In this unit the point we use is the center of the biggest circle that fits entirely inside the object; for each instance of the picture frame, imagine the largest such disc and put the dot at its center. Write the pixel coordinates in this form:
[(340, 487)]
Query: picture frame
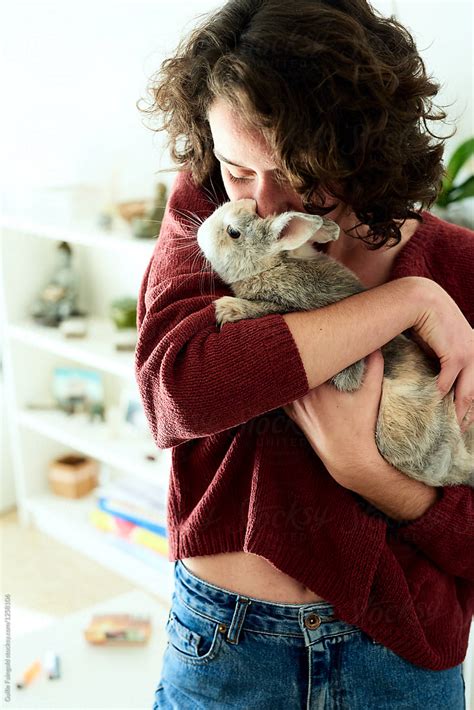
[(133, 420), (77, 389)]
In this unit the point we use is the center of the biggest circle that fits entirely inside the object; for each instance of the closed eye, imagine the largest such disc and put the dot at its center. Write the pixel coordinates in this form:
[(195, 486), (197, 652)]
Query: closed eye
[(232, 178)]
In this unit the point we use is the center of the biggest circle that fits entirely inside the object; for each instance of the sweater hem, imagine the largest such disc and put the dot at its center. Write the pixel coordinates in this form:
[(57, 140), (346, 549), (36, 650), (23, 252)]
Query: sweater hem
[(400, 643)]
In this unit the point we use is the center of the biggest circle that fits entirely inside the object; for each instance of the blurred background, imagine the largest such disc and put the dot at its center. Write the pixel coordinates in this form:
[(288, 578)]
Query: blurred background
[(83, 487)]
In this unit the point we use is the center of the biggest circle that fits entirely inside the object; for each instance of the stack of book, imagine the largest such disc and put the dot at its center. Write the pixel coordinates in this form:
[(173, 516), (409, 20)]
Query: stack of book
[(133, 513)]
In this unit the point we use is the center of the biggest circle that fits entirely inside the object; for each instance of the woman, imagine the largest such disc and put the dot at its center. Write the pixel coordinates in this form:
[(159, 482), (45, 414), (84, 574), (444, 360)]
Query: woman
[(309, 572)]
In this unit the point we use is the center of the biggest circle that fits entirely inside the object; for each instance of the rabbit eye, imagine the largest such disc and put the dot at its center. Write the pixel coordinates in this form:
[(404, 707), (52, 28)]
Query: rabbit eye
[(234, 233)]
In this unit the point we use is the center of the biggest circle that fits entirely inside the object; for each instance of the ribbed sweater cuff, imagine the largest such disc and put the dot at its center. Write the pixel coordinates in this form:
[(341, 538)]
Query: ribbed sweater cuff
[(439, 520), (282, 377)]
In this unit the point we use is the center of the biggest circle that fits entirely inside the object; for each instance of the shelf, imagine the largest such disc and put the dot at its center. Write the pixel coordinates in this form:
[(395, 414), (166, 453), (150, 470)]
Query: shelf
[(67, 521), (124, 454), (85, 234), (111, 263), (97, 349)]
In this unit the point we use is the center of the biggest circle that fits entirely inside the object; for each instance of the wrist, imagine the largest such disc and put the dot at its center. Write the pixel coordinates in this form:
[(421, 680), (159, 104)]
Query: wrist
[(414, 295), (395, 494), (424, 294)]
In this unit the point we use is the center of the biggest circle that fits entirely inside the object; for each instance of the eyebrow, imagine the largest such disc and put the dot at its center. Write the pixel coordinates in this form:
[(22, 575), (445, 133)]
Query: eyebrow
[(229, 162)]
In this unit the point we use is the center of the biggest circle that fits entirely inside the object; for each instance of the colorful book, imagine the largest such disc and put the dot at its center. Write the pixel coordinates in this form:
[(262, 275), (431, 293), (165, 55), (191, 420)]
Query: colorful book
[(133, 489), (129, 531), (118, 629), (109, 507), (149, 557)]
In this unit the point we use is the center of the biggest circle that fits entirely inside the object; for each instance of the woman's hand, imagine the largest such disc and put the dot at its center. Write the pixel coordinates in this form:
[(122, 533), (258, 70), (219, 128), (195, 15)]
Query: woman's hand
[(340, 426), (442, 330)]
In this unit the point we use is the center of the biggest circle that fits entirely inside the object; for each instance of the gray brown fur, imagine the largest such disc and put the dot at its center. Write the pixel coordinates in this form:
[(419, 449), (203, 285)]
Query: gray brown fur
[(417, 430)]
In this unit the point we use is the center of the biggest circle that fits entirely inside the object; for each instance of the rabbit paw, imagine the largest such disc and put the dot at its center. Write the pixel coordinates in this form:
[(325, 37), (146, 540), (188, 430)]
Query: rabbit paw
[(230, 310)]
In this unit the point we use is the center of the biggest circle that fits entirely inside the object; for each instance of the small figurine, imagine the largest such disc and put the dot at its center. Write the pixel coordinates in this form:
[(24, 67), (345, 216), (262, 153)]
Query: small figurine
[(148, 227), (96, 411), (58, 300), (123, 312)]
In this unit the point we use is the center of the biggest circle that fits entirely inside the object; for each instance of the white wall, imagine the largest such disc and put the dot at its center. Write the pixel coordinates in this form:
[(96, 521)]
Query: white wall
[(74, 69), (444, 32)]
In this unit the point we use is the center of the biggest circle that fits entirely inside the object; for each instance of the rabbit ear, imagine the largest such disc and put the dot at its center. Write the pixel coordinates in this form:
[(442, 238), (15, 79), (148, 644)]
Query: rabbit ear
[(329, 232), (301, 228)]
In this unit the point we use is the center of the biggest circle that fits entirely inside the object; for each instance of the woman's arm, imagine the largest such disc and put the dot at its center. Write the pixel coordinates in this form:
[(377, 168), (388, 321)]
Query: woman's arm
[(331, 338), (340, 428), (197, 379)]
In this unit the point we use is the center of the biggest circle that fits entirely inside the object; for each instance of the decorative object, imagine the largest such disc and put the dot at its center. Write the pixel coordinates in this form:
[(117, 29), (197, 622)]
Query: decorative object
[(132, 210), (76, 390), (134, 421), (455, 202), (96, 411), (73, 476), (58, 300), (123, 312), (148, 226), (123, 213), (118, 630), (74, 327)]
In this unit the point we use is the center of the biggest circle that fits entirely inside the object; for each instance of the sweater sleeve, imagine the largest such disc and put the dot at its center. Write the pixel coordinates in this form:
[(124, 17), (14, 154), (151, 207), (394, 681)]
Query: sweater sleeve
[(445, 533), (194, 378)]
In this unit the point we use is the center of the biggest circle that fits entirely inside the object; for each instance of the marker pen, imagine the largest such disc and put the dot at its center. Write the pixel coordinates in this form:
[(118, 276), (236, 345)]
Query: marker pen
[(30, 673), (52, 665)]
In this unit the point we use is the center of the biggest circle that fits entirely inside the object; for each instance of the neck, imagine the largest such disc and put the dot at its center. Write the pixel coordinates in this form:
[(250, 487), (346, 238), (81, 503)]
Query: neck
[(373, 268)]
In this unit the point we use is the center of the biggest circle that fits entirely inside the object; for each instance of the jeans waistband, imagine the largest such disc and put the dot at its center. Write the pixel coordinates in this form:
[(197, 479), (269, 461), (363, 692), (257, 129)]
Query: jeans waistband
[(253, 614)]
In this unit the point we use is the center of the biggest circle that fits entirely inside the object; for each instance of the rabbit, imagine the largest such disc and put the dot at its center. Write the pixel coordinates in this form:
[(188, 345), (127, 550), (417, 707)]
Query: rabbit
[(271, 266)]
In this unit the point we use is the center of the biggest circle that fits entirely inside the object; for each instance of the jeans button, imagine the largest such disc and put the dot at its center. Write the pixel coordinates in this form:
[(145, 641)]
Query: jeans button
[(312, 621)]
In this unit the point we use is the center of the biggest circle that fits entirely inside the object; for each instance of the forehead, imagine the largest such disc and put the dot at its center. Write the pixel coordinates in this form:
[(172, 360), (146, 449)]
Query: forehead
[(236, 141)]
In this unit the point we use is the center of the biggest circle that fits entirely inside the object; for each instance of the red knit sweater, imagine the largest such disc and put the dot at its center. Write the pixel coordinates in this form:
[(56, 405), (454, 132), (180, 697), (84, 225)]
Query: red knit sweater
[(244, 476)]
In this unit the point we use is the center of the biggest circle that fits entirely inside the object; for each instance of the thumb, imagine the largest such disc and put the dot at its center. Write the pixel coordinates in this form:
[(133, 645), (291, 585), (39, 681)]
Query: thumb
[(373, 375)]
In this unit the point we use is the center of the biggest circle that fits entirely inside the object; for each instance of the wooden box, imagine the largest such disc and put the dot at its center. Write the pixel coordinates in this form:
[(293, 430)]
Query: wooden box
[(73, 476)]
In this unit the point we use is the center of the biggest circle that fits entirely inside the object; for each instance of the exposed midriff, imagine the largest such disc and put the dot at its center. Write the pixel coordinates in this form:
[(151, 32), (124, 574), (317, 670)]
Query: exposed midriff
[(250, 575)]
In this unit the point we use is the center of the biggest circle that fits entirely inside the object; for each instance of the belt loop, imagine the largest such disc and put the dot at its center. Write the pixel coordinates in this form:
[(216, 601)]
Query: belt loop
[(236, 624)]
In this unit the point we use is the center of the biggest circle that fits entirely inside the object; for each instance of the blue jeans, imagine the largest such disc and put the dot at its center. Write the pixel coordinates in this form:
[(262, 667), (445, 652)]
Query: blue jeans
[(229, 651)]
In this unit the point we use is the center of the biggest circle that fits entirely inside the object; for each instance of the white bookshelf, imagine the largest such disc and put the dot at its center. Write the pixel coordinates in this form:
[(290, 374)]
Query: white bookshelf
[(110, 265), (95, 350)]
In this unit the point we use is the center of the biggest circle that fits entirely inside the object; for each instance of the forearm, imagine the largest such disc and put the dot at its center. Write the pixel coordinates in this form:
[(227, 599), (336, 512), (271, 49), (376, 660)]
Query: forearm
[(331, 338), (395, 494)]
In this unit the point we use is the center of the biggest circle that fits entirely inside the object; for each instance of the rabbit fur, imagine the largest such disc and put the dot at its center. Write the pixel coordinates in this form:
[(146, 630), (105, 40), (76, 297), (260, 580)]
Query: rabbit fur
[(271, 266)]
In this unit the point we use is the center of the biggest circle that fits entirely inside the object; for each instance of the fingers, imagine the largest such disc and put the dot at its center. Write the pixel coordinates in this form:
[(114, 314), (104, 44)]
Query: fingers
[(373, 374), (463, 399), (447, 378), (463, 382), (468, 420)]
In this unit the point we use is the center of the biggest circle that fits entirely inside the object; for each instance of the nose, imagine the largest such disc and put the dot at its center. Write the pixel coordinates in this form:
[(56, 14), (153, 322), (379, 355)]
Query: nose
[(275, 199)]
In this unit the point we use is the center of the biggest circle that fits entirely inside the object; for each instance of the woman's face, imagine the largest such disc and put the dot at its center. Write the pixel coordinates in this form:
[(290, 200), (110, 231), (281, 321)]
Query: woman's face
[(247, 167)]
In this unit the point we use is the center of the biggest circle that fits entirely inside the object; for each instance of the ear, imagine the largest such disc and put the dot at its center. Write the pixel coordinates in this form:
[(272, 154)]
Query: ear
[(301, 228), (329, 232)]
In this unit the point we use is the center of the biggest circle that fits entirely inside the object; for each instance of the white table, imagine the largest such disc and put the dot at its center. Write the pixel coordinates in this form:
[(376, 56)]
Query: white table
[(96, 677), (93, 677)]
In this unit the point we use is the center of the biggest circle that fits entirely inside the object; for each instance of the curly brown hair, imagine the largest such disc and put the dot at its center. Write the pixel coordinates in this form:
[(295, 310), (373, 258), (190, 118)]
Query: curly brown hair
[(339, 92)]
